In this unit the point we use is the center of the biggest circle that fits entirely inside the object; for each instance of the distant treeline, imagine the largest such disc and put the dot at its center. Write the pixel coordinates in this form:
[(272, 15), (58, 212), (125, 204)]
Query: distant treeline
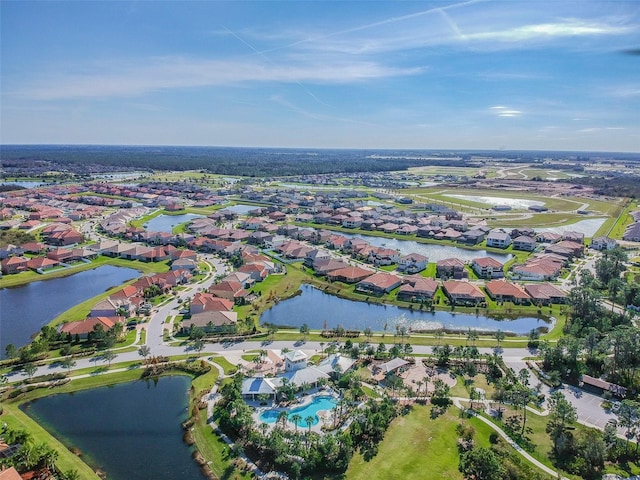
[(260, 162), (226, 161), (623, 186)]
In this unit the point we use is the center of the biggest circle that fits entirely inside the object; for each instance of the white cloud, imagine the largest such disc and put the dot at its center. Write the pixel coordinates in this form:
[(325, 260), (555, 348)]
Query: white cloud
[(541, 31), (502, 111), (148, 75), (599, 129)]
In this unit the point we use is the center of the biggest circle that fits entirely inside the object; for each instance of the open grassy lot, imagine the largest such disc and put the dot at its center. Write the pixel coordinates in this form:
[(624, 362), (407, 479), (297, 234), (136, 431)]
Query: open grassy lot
[(417, 447), (622, 222)]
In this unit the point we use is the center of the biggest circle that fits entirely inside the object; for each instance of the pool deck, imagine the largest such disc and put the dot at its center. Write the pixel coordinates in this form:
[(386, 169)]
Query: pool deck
[(325, 416)]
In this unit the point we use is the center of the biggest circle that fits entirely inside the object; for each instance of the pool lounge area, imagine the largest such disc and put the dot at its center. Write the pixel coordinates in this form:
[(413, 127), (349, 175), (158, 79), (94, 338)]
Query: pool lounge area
[(313, 399), (318, 406)]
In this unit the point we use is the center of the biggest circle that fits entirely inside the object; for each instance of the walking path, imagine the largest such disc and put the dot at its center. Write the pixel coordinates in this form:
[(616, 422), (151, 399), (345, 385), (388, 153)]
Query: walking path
[(457, 401), (212, 398)]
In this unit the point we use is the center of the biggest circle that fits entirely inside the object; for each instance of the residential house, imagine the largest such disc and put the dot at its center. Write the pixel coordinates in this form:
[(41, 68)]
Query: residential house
[(417, 288), (109, 307), (41, 264), (544, 267), (498, 239), (14, 265), (407, 230), (487, 267), (566, 248), (86, 326), (184, 264), (66, 237), (257, 271), (315, 256), (503, 291), (10, 250), (348, 274), (202, 302), (378, 284), (323, 267), (383, 256), (632, 233), (412, 263), (576, 237), (33, 247), (462, 293), (472, 237), (352, 222), (548, 237), (450, 268), (545, 293), (60, 255), (210, 320), (603, 243), (230, 290), (524, 243)]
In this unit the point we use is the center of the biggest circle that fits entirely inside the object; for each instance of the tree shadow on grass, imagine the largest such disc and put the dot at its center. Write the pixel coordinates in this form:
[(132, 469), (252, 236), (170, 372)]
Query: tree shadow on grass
[(437, 410)]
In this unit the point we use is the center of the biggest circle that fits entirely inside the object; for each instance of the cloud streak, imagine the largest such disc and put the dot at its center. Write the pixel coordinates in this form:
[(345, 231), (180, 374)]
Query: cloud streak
[(148, 75), (502, 111)]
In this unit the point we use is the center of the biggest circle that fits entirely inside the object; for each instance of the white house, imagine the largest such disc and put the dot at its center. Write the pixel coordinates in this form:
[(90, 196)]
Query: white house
[(412, 263), (498, 239)]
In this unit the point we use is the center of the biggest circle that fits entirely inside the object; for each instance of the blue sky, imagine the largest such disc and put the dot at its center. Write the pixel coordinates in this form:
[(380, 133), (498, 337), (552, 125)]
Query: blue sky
[(558, 75)]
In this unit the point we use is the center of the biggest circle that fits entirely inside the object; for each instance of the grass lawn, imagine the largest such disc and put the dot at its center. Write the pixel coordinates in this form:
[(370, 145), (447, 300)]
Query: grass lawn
[(415, 444), (226, 365), (460, 389), (215, 450)]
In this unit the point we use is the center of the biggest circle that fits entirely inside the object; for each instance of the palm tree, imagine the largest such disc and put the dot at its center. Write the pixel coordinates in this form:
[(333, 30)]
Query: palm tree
[(321, 349), (309, 421), (426, 381), (282, 418), (439, 335), (295, 418)]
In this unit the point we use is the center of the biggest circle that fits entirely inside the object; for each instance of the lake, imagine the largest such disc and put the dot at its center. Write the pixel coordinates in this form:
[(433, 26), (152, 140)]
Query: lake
[(432, 251), (165, 223), (132, 431), (241, 208), (315, 307), (26, 309), (24, 184)]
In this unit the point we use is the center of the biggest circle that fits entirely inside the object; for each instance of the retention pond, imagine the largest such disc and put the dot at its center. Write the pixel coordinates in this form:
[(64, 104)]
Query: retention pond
[(318, 309), (131, 431)]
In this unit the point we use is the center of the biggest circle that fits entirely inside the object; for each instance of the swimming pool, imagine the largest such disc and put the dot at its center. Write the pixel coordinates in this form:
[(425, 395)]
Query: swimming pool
[(322, 402)]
